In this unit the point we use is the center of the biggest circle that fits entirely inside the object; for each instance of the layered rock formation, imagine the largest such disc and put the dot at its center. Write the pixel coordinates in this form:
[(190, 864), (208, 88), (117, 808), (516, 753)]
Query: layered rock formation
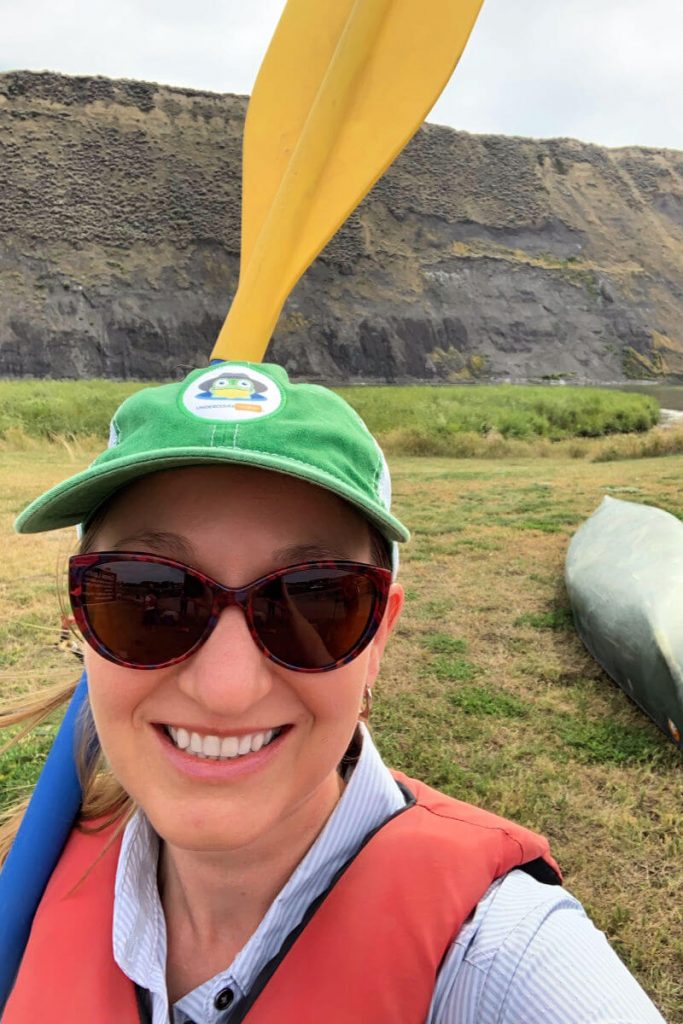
[(474, 257)]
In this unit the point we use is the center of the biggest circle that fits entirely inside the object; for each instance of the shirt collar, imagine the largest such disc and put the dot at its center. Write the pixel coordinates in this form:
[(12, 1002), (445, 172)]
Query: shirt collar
[(139, 929)]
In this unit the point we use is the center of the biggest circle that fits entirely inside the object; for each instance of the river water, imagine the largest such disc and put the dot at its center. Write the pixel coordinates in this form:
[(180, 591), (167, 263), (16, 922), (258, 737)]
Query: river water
[(669, 396)]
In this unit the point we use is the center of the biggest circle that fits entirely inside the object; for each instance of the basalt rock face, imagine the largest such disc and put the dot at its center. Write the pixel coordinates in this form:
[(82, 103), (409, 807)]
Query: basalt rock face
[(474, 257)]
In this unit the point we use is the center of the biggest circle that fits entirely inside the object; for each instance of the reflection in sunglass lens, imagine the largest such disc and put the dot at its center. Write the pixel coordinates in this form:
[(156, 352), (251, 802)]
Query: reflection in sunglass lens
[(312, 618), (146, 611), (143, 612)]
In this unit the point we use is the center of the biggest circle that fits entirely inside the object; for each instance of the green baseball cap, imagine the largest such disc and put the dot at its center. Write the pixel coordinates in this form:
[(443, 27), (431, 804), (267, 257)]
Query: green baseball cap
[(230, 413)]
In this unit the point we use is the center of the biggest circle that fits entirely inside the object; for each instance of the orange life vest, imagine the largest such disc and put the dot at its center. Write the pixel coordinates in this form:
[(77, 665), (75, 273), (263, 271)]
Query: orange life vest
[(369, 950)]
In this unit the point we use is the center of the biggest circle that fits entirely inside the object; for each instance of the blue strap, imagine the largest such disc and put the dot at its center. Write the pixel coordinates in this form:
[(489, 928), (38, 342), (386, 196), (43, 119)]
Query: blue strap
[(39, 842)]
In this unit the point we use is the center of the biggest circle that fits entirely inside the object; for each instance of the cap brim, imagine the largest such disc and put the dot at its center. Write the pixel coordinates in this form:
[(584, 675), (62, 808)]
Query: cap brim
[(75, 500)]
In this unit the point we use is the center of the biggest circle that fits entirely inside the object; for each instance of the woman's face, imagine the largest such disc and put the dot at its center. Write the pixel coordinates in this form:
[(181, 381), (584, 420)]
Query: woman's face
[(235, 524)]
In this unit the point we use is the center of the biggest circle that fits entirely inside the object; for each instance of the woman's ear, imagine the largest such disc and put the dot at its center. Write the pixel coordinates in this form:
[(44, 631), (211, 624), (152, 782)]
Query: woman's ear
[(397, 598), (387, 626)]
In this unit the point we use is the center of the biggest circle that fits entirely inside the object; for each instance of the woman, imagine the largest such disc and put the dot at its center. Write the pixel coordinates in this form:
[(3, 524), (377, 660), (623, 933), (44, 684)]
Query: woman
[(251, 857)]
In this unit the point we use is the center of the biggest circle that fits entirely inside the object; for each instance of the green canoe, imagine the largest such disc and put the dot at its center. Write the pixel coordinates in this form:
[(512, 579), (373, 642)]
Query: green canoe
[(624, 575)]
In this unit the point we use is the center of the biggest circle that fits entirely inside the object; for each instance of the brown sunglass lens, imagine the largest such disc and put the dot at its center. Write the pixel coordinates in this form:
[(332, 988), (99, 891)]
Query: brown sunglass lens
[(313, 618), (145, 613)]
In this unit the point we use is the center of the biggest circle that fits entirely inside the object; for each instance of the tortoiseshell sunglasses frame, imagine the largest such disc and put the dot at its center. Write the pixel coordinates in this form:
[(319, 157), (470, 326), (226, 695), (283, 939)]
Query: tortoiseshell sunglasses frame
[(226, 597)]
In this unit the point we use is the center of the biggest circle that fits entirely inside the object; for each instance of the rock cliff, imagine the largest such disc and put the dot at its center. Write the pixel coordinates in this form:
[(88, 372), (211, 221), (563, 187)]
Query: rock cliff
[(474, 257)]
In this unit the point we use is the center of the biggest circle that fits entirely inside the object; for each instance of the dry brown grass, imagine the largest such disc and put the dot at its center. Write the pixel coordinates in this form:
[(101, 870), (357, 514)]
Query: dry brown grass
[(653, 443), (484, 565)]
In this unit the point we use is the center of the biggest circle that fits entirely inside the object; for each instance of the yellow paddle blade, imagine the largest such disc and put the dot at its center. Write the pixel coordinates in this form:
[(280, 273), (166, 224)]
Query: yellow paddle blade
[(343, 87)]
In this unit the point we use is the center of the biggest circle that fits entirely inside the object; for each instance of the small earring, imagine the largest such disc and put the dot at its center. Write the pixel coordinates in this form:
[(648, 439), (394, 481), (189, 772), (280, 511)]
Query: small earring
[(366, 706)]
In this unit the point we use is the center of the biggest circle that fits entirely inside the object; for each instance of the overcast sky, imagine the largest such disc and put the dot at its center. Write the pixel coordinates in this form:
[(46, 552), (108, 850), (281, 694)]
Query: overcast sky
[(605, 71)]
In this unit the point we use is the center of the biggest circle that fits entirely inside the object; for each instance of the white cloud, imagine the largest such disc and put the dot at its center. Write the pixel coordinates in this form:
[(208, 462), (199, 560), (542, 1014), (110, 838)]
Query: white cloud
[(205, 44), (607, 71)]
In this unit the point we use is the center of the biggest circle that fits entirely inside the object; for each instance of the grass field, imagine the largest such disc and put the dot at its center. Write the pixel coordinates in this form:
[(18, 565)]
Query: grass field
[(416, 420), (486, 691)]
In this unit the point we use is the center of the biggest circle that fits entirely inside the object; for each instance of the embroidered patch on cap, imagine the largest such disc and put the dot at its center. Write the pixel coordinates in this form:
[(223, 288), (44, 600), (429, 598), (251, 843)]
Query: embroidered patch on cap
[(232, 394)]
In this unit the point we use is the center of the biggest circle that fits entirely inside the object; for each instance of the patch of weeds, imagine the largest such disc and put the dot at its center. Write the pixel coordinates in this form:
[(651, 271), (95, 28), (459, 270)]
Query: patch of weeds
[(556, 618), (422, 552), (550, 523), (461, 474), (21, 765), (441, 643), (434, 609), (517, 644), (606, 742), (437, 529), (618, 917), (476, 544), (573, 680), (484, 700), (452, 669)]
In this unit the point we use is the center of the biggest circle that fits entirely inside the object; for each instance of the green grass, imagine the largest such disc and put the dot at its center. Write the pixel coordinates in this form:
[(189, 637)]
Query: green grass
[(20, 765), (61, 408), (418, 420), (605, 742), (556, 618), (486, 700), (441, 643), (426, 414), (451, 669)]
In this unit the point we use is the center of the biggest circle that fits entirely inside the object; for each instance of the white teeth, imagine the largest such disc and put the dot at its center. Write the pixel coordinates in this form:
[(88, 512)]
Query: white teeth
[(216, 748), (212, 746), (230, 746)]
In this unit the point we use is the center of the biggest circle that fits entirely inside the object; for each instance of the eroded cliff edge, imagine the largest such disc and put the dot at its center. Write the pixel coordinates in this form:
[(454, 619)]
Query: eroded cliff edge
[(474, 257)]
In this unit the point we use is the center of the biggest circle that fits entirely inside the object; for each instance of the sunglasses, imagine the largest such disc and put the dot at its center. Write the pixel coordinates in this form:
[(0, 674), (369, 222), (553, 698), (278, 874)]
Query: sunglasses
[(144, 611)]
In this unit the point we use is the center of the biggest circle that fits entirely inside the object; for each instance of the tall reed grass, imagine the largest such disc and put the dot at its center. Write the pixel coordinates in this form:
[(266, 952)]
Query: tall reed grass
[(465, 421), (435, 416)]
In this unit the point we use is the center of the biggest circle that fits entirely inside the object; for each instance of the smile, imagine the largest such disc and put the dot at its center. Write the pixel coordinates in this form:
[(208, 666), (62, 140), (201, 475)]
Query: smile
[(219, 748)]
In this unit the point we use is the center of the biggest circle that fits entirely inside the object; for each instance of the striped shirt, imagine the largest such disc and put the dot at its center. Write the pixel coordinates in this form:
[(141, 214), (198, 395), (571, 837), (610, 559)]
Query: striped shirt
[(528, 955)]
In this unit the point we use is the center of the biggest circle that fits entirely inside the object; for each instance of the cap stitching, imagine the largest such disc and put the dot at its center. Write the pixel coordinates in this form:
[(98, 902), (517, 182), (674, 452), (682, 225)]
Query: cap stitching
[(376, 474), (288, 458), (298, 462)]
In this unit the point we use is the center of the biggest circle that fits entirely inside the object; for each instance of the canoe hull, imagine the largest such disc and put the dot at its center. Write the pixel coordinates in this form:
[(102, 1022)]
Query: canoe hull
[(624, 576)]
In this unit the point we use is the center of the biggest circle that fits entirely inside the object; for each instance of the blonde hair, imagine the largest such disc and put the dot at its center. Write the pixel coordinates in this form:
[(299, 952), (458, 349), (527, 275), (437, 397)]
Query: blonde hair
[(104, 800)]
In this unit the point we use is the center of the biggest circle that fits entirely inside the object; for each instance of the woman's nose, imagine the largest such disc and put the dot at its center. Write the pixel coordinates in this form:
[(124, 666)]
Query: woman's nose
[(229, 674)]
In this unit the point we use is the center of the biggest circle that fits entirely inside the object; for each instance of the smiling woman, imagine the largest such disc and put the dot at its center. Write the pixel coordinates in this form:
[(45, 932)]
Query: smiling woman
[(242, 852), (222, 689)]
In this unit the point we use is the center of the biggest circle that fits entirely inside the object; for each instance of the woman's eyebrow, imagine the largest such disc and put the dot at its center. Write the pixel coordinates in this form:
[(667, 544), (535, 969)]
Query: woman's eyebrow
[(168, 543), (305, 553)]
